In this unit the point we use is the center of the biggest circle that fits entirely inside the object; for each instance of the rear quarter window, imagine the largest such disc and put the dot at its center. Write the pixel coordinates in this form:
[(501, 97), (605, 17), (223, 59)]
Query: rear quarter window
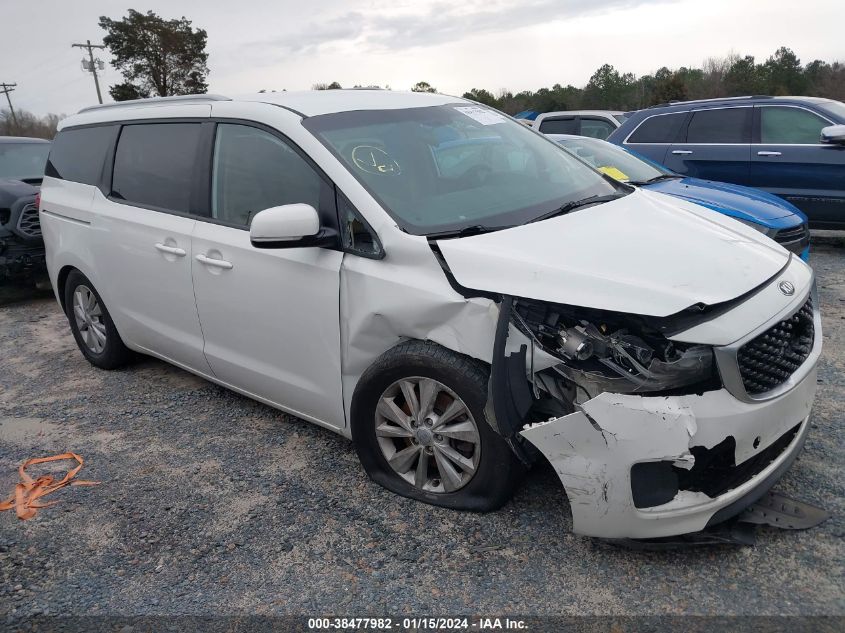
[(78, 154), (659, 128)]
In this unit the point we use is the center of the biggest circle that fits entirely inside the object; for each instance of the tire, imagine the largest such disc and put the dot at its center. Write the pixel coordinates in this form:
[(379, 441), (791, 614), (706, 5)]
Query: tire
[(488, 476), (92, 326)]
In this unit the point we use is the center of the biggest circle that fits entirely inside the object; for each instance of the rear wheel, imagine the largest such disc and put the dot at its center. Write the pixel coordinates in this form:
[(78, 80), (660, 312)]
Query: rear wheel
[(419, 429), (91, 324)]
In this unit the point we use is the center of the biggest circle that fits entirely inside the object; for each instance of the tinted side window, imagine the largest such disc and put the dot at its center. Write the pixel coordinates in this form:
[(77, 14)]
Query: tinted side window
[(558, 126), (596, 128), (790, 126), (661, 128), (154, 164), (253, 171), (724, 125), (78, 154)]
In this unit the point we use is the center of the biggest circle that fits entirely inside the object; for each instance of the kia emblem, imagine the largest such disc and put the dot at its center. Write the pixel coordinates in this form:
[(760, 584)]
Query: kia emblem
[(787, 288)]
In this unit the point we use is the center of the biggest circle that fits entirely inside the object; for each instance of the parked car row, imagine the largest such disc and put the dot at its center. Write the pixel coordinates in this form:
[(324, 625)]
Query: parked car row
[(455, 293)]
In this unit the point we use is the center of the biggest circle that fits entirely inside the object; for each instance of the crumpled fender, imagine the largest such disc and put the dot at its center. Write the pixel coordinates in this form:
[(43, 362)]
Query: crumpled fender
[(423, 307)]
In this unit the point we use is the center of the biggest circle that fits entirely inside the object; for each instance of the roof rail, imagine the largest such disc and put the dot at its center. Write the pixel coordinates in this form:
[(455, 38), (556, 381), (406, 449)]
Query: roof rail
[(672, 103), (203, 98)]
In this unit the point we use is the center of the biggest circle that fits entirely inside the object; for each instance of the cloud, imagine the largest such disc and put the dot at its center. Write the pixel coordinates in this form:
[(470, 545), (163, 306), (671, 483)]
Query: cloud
[(386, 28), (444, 22), (344, 28)]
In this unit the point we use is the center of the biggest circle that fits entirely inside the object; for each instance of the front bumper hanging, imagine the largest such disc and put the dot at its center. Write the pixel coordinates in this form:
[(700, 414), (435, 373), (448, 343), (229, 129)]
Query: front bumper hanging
[(594, 452)]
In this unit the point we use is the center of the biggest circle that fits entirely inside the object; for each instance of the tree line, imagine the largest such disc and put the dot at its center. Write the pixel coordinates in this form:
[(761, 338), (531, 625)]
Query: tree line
[(731, 76), (27, 124)]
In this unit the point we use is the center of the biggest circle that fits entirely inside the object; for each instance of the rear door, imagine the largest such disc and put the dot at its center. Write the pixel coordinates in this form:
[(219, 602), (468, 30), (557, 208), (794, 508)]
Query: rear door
[(788, 160), (143, 238), (715, 145)]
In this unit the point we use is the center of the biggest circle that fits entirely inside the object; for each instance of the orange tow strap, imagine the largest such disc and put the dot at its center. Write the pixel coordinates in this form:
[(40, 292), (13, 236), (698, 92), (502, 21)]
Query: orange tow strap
[(24, 500)]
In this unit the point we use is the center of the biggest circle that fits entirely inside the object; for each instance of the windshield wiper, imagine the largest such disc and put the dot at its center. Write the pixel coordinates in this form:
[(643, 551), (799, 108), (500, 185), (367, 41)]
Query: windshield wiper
[(467, 231), (577, 204), (655, 179)]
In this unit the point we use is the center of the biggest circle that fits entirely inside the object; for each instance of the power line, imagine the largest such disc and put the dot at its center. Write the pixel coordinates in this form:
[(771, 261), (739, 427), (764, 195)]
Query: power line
[(91, 65), (32, 69), (7, 90)]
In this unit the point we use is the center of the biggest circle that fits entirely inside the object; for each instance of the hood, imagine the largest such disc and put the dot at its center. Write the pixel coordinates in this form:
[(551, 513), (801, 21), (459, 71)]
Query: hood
[(12, 190), (734, 200), (645, 253)]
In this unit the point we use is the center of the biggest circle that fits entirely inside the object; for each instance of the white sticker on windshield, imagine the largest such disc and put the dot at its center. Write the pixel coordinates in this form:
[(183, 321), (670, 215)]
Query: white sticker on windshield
[(482, 115)]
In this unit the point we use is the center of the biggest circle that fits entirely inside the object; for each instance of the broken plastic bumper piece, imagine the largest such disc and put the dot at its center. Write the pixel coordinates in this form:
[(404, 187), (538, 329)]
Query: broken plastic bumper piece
[(642, 467)]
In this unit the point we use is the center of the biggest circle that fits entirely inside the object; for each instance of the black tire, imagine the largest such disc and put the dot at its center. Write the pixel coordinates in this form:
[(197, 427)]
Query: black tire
[(114, 353), (498, 471)]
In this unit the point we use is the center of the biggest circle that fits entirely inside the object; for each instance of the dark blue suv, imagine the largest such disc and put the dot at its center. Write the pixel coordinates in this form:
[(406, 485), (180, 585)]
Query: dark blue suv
[(774, 143)]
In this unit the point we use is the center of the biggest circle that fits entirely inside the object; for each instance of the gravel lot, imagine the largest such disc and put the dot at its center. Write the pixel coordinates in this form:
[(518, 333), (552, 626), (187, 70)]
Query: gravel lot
[(214, 504)]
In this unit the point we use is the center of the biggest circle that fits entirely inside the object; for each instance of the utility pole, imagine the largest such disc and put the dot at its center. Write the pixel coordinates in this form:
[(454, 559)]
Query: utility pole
[(7, 89), (91, 66)]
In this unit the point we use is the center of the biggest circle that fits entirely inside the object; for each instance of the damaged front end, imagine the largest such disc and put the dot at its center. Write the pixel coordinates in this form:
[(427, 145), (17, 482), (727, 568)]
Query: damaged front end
[(640, 429), (21, 245)]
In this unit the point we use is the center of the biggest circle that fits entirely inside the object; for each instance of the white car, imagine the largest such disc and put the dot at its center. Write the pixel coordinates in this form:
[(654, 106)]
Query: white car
[(592, 123), (451, 290)]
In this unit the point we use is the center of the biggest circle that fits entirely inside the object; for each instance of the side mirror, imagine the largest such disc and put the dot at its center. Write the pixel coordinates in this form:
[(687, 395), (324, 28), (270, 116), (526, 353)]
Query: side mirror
[(289, 226), (833, 134)]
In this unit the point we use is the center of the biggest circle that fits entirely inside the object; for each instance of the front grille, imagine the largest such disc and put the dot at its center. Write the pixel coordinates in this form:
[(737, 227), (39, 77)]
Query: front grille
[(794, 239), (28, 223), (771, 358)]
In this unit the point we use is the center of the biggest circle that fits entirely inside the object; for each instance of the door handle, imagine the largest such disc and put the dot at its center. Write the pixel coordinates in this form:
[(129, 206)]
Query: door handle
[(171, 250), (765, 153), (682, 151), (217, 263)]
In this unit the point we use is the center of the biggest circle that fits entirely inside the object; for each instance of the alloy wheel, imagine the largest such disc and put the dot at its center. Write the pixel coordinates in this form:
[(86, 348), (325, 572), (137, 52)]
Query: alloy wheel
[(427, 434), (89, 319)]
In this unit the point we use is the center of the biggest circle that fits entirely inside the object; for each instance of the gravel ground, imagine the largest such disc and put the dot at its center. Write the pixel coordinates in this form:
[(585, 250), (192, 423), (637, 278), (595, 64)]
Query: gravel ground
[(214, 504)]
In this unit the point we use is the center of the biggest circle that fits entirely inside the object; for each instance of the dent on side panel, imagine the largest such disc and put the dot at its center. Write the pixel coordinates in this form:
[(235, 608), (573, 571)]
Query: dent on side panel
[(589, 457), (382, 304)]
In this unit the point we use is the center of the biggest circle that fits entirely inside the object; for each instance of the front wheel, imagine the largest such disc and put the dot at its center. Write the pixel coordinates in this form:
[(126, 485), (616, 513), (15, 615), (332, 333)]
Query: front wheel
[(419, 429)]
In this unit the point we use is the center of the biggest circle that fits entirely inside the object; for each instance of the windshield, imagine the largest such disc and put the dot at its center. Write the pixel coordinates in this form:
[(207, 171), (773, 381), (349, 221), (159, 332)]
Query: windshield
[(613, 160), (23, 160), (447, 168)]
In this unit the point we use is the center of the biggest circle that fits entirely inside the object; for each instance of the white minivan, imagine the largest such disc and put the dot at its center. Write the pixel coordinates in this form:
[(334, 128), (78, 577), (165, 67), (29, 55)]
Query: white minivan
[(448, 288)]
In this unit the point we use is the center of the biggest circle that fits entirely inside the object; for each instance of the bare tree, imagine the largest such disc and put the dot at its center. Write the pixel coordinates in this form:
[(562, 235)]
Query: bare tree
[(28, 124)]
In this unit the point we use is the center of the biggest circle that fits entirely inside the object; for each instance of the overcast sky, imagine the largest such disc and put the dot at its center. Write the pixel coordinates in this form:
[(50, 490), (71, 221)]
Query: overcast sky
[(455, 46)]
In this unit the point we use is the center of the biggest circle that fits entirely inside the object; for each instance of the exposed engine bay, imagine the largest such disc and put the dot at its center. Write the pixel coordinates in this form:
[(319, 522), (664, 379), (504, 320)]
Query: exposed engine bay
[(605, 351)]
